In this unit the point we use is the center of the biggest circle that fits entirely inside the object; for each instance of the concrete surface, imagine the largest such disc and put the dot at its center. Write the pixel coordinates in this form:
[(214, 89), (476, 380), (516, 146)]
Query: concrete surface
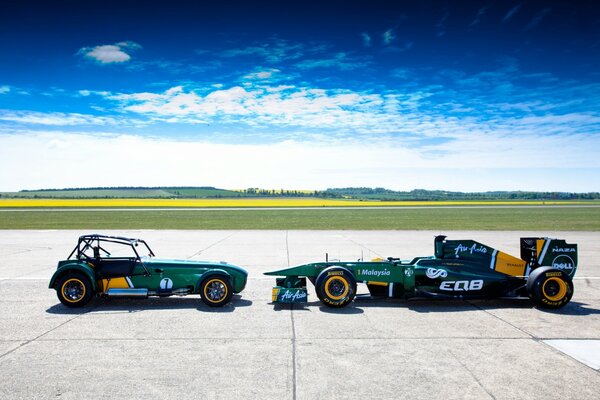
[(586, 351), (179, 348)]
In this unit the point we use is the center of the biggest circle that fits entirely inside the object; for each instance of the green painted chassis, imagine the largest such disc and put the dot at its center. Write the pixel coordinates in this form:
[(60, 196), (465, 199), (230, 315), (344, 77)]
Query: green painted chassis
[(459, 269)]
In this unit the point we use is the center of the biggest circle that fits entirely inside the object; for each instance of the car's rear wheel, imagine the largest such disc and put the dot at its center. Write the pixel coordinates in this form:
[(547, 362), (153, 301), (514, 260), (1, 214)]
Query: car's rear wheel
[(74, 290), (216, 291), (549, 287), (335, 287)]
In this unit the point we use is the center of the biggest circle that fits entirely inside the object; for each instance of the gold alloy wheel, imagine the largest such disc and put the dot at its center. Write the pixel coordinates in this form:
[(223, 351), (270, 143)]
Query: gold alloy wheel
[(73, 290), (554, 289), (215, 290), (336, 287)]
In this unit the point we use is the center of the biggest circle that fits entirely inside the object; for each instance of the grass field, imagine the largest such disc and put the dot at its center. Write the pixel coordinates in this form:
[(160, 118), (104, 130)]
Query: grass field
[(255, 202), (538, 219)]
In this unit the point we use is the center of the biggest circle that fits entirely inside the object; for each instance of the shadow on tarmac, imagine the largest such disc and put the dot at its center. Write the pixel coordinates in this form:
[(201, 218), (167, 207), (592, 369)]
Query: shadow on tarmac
[(421, 305), (99, 305)]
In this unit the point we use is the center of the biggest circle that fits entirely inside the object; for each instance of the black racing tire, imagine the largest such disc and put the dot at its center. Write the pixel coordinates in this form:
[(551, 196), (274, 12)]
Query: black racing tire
[(335, 287), (74, 289), (216, 290), (549, 287)]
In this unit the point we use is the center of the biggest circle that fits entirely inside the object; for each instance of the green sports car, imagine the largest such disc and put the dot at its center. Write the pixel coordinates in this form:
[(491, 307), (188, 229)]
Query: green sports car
[(111, 266)]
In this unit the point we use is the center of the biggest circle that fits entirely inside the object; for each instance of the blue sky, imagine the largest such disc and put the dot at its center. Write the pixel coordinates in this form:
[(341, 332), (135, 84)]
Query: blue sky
[(463, 95)]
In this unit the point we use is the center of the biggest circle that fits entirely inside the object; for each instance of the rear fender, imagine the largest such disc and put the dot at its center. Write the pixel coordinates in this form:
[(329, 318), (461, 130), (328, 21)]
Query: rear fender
[(77, 267)]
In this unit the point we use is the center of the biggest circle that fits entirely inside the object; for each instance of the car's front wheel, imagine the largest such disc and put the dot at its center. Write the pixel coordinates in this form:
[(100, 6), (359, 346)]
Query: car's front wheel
[(216, 291), (74, 290), (335, 287)]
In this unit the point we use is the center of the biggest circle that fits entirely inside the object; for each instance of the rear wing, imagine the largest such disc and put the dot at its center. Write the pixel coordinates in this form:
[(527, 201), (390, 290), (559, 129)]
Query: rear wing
[(548, 252), (535, 252)]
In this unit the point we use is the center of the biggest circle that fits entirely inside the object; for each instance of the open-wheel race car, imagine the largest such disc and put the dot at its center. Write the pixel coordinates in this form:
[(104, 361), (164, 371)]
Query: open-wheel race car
[(459, 269), (111, 266)]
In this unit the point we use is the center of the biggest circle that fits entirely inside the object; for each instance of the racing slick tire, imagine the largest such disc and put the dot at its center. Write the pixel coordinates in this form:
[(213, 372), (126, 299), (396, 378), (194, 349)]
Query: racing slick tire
[(549, 287), (74, 290), (216, 291), (335, 287)]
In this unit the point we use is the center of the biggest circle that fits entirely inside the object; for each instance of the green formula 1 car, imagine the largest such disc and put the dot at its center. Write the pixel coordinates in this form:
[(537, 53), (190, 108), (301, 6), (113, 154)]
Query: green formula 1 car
[(111, 266), (459, 269)]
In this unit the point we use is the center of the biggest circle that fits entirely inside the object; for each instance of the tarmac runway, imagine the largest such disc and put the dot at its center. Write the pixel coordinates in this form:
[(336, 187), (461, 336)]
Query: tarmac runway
[(177, 348)]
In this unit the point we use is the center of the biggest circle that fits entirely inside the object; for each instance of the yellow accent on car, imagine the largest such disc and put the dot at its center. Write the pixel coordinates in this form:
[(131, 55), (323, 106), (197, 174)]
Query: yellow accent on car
[(562, 289), (274, 294), (539, 246), (344, 293), (114, 283), (378, 283), (62, 290), (378, 259), (509, 265)]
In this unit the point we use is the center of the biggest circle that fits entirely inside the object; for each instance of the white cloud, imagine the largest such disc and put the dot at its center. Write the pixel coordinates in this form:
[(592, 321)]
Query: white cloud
[(264, 74), (366, 39), (511, 13), (4, 89), (340, 61), (480, 13), (537, 19), (475, 162), (273, 51), (388, 36), (61, 119), (110, 53)]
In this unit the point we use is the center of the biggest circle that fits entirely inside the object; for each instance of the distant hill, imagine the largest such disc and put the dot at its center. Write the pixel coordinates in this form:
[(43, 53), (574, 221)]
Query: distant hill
[(125, 193), (361, 193), (441, 195)]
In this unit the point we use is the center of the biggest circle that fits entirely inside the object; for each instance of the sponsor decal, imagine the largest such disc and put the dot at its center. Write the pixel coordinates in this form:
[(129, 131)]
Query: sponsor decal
[(563, 262), (433, 273), (293, 295), (166, 283), (373, 272), (563, 250), (458, 286), (408, 272), (473, 249), (330, 273)]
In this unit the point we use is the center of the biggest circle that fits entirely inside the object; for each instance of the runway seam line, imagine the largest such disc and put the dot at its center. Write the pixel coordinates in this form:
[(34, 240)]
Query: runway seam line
[(211, 245), (363, 246), (43, 334), (294, 381), (472, 375), (503, 320)]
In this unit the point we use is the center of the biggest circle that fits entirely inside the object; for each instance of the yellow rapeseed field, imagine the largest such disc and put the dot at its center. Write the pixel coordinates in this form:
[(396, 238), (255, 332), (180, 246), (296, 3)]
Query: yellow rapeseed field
[(244, 202)]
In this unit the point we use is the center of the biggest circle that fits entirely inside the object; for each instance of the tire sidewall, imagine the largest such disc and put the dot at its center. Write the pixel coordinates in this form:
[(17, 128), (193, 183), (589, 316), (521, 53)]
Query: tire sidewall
[(87, 285), (325, 277), (535, 287), (226, 299)]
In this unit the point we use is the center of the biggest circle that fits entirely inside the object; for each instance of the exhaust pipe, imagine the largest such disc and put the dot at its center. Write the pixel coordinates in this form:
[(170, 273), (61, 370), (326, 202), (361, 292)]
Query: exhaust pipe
[(168, 292), (114, 292)]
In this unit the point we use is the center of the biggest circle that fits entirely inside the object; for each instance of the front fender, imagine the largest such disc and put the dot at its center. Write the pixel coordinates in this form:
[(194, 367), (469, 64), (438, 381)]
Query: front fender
[(213, 272), (79, 267)]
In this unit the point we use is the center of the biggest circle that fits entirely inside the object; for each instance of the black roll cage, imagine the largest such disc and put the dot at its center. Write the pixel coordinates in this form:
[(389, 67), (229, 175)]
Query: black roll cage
[(93, 241)]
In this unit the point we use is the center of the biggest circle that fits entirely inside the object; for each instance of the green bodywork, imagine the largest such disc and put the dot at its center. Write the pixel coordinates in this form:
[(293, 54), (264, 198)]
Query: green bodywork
[(130, 274), (458, 269), (148, 273)]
